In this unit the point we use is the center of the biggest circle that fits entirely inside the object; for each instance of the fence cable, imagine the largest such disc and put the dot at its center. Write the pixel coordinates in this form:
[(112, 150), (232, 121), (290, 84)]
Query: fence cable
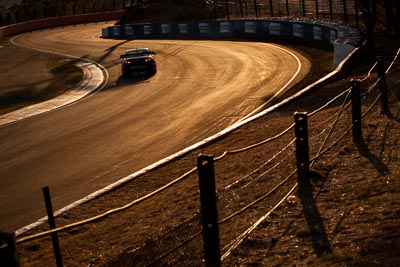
[(235, 243), (329, 102), (107, 213), (271, 168), (323, 131), (258, 199), (262, 166), (372, 105), (369, 72), (335, 122), (332, 145), (371, 87), (345, 133), (166, 254), (255, 145), (394, 59)]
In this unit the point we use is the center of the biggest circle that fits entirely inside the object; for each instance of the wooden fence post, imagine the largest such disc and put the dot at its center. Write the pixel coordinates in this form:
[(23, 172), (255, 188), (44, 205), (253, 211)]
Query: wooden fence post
[(302, 150), (52, 223), (383, 86), (209, 216), (8, 250), (356, 109)]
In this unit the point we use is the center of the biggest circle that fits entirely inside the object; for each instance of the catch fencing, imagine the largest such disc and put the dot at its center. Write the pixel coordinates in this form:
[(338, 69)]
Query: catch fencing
[(349, 12), (36, 10), (251, 183), (354, 12), (334, 10)]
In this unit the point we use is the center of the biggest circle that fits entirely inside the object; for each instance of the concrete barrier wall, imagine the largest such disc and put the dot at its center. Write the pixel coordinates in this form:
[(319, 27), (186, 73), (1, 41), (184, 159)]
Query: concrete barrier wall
[(58, 21), (231, 28), (344, 39)]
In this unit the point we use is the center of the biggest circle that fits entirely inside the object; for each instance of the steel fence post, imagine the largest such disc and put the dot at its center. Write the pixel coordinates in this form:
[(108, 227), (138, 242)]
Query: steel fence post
[(383, 86), (227, 9), (271, 8), (356, 109), (287, 7), (302, 150), (209, 216), (345, 12), (356, 12), (256, 8), (52, 223), (8, 250), (215, 9)]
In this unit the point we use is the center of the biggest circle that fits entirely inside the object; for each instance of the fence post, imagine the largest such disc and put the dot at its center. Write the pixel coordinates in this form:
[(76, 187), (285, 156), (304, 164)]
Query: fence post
[(227, 9), (302, 150), (209, 216), (8, 250), (52, 223), (215, 10), (383, 86), (271, 8), (356, 11), (330, 9), (356, 109), (346, 18), (256, 8), (241, 8), (287, 8)]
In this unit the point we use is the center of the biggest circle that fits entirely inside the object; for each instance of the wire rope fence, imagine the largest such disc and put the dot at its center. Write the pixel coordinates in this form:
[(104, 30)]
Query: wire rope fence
[(251, 183), (353, 13)]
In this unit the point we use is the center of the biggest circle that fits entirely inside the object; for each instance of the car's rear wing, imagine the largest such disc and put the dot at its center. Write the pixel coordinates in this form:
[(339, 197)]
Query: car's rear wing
[(125, 55)]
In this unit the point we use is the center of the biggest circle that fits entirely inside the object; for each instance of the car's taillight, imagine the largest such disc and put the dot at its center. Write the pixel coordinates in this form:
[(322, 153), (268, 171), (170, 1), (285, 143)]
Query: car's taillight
[(147, 60), (127, 62)]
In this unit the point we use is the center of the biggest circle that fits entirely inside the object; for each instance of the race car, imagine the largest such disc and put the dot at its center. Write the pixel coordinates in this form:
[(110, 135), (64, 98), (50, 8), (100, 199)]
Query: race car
[(138, 61)]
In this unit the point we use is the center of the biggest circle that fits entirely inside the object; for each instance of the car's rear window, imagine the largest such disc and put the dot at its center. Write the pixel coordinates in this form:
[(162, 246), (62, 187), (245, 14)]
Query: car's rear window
[(137, 53)]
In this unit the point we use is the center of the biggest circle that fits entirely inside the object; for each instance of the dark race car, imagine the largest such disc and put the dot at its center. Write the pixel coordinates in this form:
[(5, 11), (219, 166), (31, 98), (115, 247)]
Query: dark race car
[(138, 61)]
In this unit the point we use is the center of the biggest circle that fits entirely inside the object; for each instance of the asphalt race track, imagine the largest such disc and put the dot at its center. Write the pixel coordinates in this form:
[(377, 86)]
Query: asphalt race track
[(200, 88)]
